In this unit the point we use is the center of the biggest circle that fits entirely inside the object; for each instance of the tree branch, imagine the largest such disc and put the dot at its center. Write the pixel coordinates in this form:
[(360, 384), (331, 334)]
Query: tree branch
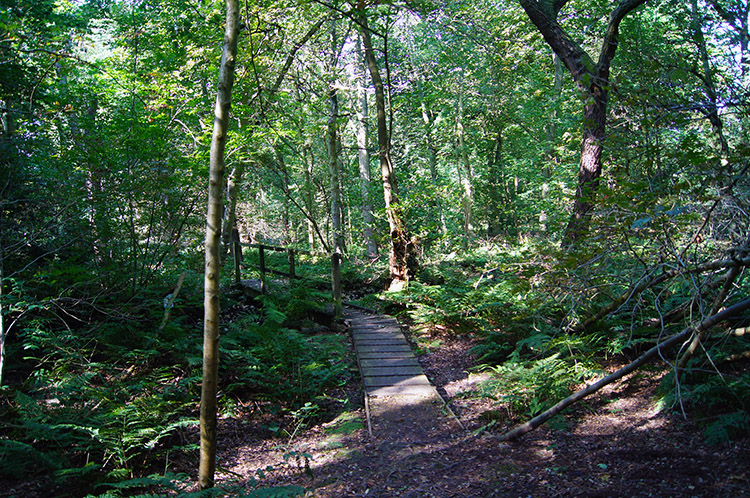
[(706, 324)]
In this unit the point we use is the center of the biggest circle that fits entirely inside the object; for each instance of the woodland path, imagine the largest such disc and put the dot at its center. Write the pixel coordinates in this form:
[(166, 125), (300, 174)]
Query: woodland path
[(615, 444)]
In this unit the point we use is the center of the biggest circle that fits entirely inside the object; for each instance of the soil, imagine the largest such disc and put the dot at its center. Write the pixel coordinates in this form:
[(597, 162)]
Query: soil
[(616, 443)]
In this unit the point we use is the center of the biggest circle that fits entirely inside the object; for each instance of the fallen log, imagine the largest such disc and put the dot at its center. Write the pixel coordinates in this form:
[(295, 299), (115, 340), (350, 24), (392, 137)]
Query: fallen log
[(644, 358)]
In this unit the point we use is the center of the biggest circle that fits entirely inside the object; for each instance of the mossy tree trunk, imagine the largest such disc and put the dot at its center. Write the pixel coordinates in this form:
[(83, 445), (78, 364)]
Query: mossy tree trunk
[(402, 257)]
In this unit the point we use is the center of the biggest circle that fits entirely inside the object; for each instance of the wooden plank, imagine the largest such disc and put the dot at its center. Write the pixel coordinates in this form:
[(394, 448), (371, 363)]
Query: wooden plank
[(384, 333), (376, 324), (406, 361), (381, 342), (380, 355), (373, 334), (396, 380), (376, 371), (385, 349), (425, 391)]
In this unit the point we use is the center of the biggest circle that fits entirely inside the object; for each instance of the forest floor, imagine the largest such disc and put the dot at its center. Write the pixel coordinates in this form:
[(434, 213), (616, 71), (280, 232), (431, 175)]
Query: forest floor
[(616, 443)]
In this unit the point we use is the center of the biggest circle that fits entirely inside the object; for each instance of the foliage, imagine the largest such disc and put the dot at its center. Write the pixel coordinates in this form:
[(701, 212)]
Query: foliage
[(179, 485), (281, 364), (104, 130), (116, 399), (718, 402), (528, 388)]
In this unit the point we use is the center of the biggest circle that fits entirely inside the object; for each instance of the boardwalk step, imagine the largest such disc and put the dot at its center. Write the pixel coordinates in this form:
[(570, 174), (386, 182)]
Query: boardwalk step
[(406, 361), (376, 371), (423, 391), (392, 355), (397, 380), (384, 348)]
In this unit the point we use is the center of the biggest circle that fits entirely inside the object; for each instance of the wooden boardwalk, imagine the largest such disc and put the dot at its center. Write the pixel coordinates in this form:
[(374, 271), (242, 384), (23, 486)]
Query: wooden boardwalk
[(393, 379)]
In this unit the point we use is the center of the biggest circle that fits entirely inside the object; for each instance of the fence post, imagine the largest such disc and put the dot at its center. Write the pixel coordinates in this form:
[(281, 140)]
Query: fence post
[(236, 255), (336, 284), (262, 265), (290, 256)]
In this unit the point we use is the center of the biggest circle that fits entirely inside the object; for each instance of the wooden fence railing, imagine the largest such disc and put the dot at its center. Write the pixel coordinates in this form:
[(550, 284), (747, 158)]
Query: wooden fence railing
[(292, 266)]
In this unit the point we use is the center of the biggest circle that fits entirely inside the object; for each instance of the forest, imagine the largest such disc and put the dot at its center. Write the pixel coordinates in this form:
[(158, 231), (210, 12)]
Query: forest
[(551, 196)]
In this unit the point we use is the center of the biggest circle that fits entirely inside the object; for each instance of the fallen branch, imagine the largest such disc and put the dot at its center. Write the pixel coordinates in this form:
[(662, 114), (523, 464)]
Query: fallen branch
[(644, 358), (655, 280), (169, 301)]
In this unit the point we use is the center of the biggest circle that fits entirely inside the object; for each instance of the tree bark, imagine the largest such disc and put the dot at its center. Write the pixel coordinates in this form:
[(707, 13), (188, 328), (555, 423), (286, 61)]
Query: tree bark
[(207, 466), (309, 197), (402, 258), (495, 181), (592, 80), (2, 315), (706, 324), (432, 158)]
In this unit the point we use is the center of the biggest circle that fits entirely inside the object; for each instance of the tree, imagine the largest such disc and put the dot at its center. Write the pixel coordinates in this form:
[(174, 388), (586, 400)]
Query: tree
[(363, 154), (207, 465), (592, 80), (402, 259)]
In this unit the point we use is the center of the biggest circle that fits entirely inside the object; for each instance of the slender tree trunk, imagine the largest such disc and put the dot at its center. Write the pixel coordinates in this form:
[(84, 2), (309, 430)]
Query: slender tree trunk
[(286, 228), (230, 220), (496, 180), (207, 467), (467, 190), (2, 312), (432, 161), (431, 154), (310, 197), (402, 258), (365, 177), (335, 173)]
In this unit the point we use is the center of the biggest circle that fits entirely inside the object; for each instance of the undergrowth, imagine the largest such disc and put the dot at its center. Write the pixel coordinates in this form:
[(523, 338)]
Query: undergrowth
[(103, 397), (525, 304)]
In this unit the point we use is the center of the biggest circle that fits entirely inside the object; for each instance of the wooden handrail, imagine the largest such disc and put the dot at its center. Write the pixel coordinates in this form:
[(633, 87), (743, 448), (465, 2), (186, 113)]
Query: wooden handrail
[(284, 249), (336, 259)]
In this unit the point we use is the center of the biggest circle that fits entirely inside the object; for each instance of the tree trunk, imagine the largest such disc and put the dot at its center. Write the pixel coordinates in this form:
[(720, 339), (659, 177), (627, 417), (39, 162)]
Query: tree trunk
[(365, 177), (467, 190), (230, 220), (402, 257), (592, 80), (432, 160), (590, 167), (207, 467), (2, 317), (310, 197), (334, 172), (286, 228), (494, 192)]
